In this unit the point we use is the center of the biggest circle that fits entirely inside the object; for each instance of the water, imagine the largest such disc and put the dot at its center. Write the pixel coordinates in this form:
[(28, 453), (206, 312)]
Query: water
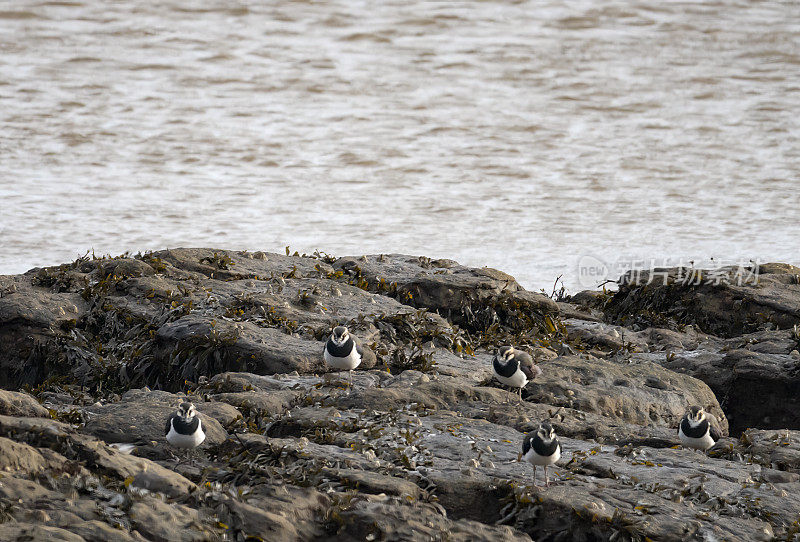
[(519, 135)]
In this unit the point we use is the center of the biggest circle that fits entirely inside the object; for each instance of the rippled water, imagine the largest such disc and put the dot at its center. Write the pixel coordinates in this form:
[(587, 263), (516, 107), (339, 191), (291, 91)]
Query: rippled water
[(520, 135)]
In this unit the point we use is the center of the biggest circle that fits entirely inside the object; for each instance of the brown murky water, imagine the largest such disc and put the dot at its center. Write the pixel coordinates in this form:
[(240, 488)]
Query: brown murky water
[(521, 135)]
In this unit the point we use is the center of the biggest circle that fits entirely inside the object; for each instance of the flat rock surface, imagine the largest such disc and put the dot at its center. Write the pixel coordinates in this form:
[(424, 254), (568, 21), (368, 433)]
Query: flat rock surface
[(140, 416)]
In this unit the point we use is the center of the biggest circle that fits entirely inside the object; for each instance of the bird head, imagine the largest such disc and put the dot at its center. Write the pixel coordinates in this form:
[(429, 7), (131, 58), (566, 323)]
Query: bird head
[(505, 353), (340, 335), (696, 414), (546, 432), (187, 411)]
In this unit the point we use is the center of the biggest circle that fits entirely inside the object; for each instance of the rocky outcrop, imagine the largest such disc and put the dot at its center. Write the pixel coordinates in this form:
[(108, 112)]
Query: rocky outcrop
[(425, 445), (726, 302), (736, 329)]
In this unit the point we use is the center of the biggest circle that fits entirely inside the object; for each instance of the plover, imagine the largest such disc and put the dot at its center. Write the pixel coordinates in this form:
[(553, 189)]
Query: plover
[(541, 448), (514, 368), (342, 352), (184, 429), (697, 430)]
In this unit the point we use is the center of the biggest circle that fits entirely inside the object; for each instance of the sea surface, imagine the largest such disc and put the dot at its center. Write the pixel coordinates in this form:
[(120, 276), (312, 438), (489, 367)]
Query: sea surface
[(530, 136)]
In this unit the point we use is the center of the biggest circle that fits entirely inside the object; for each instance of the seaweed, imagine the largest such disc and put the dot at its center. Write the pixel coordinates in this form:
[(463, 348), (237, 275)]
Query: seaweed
[(220, 261), (155, 262)]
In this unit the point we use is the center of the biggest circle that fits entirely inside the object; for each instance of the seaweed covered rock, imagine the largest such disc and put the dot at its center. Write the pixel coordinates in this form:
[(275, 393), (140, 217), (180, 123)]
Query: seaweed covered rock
[(726, 302), (425, 444), (734, 328), (472, 297), (779, 449), (165, 318)]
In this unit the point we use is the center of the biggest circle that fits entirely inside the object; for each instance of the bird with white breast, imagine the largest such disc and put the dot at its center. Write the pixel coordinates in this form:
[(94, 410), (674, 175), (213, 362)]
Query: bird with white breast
[(342, 351), (514, 368)]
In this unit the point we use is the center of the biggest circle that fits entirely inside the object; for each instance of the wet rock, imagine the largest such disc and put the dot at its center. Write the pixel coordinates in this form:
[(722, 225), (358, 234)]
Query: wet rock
[(126, 267), (18, 456), (589, 334), (756, 389), (30, 319), (385, 519), (237, 265), (444, 286), (167, 522), (377, 483), (294, 517)]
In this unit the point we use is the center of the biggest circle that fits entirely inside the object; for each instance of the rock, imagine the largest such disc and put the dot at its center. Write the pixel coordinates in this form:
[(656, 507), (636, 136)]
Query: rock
[(140, 416), (293, 517), (20, 532), (242, 347), (385, 519), (13, 403), (425, 444), (18, 456), (376, 483), (99, 531), (446, 287), (31, 319), (579, 312), (596, 334), (163, 522), (752, 386), (641, 393), (779, 449), (126, 267), (727, 302), (87, 495)]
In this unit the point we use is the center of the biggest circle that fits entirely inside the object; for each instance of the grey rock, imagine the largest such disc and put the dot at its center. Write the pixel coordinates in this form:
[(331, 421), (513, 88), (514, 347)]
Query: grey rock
[(425, 444), (779, 449), (140, 417), (640, 393), (168, 522), (727, 302)]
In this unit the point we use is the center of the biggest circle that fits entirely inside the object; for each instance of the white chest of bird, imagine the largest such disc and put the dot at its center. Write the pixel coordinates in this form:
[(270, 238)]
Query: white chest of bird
[(516, 380), (192, 440), (184, 428), (697, 430), (699, 443), (538, 460), (345, 362)]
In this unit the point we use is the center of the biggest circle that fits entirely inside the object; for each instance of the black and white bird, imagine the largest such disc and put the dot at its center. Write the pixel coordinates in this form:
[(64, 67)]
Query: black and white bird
[(697, 430), (184, 429), (541, 448), (514, 368), (342, 352)]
